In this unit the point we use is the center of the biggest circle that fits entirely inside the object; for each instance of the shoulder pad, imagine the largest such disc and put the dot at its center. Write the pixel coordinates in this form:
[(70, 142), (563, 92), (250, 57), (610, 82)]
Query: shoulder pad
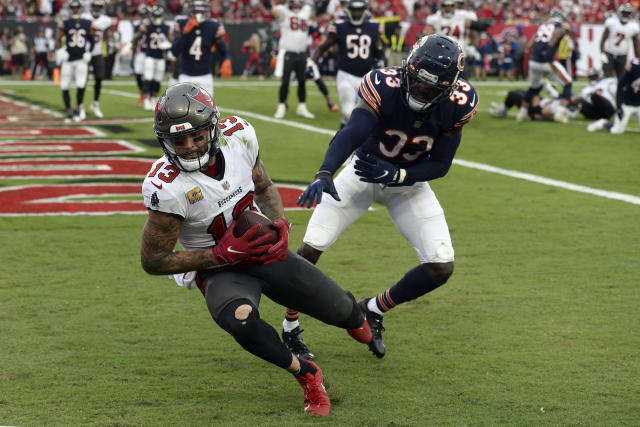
[(376, 84)]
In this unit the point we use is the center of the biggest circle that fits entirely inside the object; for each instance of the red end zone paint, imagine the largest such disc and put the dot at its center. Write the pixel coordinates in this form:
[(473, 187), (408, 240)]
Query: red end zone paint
[(101, 167), (62, 199), (49, 132), (62, 147)]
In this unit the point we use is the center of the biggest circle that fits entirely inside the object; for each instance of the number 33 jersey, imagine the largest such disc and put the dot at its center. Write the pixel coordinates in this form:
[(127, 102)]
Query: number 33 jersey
[(403, 136), (207, 204)]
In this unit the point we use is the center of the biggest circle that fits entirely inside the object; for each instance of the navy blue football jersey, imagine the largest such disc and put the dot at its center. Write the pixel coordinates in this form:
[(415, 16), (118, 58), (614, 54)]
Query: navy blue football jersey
[(194, 49), (143, 43), (155, 35), (403, 136), (355, 45), (629, 85), (542, 51), (78, 37)]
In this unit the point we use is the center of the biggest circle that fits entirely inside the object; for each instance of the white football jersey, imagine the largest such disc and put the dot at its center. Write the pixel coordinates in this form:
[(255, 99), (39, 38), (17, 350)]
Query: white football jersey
[(620, 35), (99, 26), (455, 27), (207, 205), (606, 88), (294, 28)]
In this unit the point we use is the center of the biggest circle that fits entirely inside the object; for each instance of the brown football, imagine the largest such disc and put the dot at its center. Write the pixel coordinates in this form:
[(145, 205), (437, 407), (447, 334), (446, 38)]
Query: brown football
[(248, 219)]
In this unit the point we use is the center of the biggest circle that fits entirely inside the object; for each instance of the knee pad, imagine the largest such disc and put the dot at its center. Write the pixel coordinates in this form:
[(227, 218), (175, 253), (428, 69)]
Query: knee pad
[(237, 315)]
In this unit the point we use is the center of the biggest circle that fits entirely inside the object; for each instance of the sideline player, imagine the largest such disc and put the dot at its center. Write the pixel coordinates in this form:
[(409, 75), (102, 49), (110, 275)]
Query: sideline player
[(100, 25), (74, 58), (139, 47), (195, 38), (216, 164), (405, 132), (620, 34), (293, 20)]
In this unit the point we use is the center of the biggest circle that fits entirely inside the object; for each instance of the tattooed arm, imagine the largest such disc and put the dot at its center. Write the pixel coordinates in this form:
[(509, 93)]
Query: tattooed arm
[(159, 238), (266, 194)]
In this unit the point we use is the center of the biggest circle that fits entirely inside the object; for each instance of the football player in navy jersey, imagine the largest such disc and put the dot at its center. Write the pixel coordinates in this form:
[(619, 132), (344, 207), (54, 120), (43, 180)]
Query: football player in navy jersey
[(195, 38), (157, 35), (405, 131), (139, 47), (359, 49), (74, 58), (543, 47)]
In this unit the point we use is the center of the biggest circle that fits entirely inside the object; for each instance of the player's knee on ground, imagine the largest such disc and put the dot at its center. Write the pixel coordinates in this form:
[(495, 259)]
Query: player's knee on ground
[(310, 254), (439, 271)]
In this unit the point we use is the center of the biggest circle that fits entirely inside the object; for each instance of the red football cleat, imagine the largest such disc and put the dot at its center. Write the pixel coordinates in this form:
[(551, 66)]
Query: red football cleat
[(361, 334), (316, 399)]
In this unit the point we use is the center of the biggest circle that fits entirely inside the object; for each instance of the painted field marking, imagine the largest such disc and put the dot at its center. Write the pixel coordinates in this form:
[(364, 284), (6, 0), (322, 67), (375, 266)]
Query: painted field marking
[(76, 167), (62, 147), (50, 132)]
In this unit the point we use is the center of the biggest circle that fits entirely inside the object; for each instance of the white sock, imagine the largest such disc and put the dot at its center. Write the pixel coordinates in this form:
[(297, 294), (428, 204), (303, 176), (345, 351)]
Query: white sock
[(371, 305), (289, 326)]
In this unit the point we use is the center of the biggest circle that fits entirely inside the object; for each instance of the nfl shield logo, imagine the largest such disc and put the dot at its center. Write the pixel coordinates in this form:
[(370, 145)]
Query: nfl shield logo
[(225, 185)]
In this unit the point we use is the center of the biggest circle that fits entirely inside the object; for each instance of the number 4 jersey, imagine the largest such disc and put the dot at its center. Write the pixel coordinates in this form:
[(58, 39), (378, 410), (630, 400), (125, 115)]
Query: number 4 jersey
[(402, 135), (207, 204)]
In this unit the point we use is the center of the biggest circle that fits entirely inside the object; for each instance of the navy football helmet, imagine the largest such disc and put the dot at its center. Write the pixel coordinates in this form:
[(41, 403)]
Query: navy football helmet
[(356, 12), (184, 109), (76, 9), (200, 9), (431, 71), (157, 14)]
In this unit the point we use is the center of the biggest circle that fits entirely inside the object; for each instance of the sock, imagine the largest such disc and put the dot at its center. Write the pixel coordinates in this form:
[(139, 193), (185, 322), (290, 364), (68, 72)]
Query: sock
[(414, 284), (290, 321), (305, 368), (372, 304)]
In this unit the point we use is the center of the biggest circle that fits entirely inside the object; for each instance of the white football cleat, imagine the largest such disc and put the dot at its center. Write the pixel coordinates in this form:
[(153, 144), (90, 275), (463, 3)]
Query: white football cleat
[(303, 112), (95, 109), (81, 113), (522, 115), (148, 104), (282, 108), (498, 110), (597, 125)]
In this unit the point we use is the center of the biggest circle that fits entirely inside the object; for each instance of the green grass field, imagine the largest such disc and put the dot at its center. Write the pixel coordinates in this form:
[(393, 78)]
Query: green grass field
[(538, 325)]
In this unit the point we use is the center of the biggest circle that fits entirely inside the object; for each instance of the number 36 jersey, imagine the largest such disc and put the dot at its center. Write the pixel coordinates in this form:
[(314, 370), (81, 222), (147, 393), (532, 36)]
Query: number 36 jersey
[(206, 204), (403, 136)]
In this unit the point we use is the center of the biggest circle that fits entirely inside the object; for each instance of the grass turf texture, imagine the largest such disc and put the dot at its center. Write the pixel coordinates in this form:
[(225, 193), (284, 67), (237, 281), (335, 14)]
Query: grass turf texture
[(537, 326)]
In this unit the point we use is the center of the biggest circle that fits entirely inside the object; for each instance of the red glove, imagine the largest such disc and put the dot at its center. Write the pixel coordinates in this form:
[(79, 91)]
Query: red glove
[(277, 251), (231, 249), (190, 25)]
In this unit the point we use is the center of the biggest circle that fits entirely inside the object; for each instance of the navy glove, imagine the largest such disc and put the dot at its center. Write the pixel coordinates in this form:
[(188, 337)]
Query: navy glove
[(374, 169), (323, 182)]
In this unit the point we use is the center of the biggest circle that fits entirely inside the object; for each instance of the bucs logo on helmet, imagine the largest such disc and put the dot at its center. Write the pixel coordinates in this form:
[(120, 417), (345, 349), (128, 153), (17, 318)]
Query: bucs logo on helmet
[(182, 110), (431, 71)]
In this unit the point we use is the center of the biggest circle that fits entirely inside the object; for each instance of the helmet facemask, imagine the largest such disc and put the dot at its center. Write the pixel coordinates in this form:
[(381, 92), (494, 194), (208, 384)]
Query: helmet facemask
[(186, 161), (356, 12), (200, 10)]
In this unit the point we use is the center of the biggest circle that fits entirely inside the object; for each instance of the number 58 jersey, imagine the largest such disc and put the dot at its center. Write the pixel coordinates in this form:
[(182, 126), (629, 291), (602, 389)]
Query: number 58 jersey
[(207, 204), (403, 136)]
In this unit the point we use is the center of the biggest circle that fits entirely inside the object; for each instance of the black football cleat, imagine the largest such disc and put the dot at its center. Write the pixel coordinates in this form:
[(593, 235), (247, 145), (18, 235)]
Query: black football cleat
[(375, 323), (294, 342)]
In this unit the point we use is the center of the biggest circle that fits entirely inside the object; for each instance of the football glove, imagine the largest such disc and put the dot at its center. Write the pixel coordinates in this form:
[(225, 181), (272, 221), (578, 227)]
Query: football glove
[(225, 68), (277, 252), (323, 182), (231, 249), (604, 59), (190, 25), (375, 170), (61, 55), (86, 57)]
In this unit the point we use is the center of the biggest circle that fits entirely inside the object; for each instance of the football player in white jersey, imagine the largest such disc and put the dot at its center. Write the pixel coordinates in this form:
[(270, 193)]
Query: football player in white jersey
[(100, 24), (293, 20), (211, 172), (449, 22), (598, 98), (620, 33)]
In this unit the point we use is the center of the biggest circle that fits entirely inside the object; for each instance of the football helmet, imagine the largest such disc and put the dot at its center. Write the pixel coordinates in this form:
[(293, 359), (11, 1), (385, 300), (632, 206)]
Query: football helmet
[(295, 4), (97, 8), (447, 8), (356, 12), (184, 109), (558, 16), (76, 9), (157, 14), (593, 75), (431, 71), (625, 12), (200, 10)]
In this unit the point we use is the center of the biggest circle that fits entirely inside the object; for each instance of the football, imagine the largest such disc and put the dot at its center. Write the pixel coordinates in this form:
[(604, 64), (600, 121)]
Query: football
[(248, 219)]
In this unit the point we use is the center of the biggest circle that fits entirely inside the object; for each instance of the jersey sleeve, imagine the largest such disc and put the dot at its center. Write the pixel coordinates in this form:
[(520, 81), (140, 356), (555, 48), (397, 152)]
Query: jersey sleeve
[(236, 130), (467, 100), (160, 195), (369, 87)]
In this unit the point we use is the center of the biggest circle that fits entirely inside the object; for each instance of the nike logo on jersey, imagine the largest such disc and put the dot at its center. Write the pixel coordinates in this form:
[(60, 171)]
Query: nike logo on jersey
[(229, 249), (159, 187), (383, 175), (377, 80), (474, 100)]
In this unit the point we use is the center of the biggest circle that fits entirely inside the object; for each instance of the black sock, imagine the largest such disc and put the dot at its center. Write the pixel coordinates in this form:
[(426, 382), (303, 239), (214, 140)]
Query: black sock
[(305, 368)]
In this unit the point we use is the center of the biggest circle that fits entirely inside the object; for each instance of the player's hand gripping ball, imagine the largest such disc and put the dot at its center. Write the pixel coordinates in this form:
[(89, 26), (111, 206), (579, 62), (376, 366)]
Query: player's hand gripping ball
[(248, 219)]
